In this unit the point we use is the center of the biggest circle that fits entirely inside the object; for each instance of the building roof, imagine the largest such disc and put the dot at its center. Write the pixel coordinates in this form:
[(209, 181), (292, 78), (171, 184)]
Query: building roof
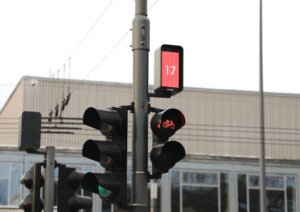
[(195, 89)]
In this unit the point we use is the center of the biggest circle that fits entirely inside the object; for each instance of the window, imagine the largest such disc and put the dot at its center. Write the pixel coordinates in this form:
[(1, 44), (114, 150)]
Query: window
[(280, 191), (10, 175), (195, 191)]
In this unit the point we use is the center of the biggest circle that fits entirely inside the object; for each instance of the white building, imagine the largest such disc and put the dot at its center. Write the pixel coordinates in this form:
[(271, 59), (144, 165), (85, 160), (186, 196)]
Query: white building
[(221, 137)]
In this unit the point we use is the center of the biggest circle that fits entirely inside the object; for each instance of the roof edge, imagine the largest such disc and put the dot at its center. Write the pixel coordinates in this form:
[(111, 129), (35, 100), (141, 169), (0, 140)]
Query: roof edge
[(193, 89), (201, 89)]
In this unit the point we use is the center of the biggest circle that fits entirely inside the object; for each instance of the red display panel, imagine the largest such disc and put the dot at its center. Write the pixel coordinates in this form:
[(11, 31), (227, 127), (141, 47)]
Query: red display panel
[(170, 69)]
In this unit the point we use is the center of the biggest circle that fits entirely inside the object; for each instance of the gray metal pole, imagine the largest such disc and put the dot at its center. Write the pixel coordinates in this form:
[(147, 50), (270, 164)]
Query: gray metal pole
[(49, 179), (140, 48), (262, 119), (154, 198)]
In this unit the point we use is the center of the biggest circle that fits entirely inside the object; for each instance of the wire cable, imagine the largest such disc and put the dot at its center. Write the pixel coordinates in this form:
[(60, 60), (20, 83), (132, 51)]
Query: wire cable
[(153, 5), (114, 46), (87, 34), (91, 29), (107, 54)]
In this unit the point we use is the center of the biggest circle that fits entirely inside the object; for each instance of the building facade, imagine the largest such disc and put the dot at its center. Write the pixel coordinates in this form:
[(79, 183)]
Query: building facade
[(221, 137)]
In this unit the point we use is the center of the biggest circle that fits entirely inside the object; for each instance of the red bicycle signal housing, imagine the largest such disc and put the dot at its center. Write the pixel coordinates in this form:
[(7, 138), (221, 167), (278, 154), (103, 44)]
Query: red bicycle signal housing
[(166, 123)]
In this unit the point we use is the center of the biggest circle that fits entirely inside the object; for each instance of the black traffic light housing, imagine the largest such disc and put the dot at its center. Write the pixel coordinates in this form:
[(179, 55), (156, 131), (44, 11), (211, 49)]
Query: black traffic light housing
[(33, 180), (30, 131), (69, 182), (165, 154), (111, 186)]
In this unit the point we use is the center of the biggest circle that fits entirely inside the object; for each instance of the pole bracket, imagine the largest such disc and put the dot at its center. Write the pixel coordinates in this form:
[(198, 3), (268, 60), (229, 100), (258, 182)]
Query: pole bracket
[(154, 109), (155, 176), (161, 94), (129, 107)]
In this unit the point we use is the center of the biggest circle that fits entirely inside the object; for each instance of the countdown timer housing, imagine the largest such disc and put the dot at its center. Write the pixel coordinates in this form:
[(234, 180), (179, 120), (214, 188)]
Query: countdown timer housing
[(168, 70)]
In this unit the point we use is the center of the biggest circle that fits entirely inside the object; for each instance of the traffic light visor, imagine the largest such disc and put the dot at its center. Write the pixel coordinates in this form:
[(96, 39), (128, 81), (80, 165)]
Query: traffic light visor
[(105, 185), (165, 155), (107, 153), (26, 203), (105, 120), (166, 123), (27, 178)]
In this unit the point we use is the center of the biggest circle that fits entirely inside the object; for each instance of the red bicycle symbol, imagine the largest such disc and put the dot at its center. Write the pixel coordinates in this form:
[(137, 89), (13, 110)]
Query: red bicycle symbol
[(167, 124)]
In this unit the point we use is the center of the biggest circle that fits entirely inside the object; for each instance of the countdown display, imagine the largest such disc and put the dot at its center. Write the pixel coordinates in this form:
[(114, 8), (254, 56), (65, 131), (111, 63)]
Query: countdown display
[(170, 69), (168, 77)]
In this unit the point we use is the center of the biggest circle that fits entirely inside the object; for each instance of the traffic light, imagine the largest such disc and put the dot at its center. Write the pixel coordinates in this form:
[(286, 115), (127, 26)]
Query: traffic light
[(165, 154), (69, 182), (111, 186), (30, 131), (33, 180)]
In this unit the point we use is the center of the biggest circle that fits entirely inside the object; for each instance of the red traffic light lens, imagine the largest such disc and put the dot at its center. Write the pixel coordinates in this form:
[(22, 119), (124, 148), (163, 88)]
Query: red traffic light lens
[(166, 123)]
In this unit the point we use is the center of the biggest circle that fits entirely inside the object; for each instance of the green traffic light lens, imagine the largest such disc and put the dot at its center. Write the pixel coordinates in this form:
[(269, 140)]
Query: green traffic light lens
[(104, 193)]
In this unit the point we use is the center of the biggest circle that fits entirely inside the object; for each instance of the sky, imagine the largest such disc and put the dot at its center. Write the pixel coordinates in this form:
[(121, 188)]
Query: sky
[(90, 40)]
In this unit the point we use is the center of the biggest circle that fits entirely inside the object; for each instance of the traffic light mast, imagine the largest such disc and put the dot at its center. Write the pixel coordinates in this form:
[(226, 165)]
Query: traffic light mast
[(170, 82), (140, 49)]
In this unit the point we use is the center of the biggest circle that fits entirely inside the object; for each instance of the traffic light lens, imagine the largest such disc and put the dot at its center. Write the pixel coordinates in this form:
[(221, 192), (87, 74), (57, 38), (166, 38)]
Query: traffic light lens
[(106, 129), (106, 161), (166, 123), (165, 155), (105, 120), (104, 193), (107, 153)]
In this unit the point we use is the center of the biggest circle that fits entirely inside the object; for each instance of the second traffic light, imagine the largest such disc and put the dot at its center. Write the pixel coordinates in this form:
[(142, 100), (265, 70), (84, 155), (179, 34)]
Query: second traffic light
[(111, 186), (68, 183), (33, 180), (165, 154)]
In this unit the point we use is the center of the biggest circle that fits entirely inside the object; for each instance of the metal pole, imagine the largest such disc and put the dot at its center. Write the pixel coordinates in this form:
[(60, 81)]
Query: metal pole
[(36, 206), (262, 120), (49, 179), (154, 198), (140, 48)]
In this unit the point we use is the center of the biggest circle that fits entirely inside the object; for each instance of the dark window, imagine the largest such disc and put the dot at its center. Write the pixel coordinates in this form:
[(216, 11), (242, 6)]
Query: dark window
[(291, 194), (275, 201), (254, 200), (275, 193), (224, 192), (204, 199), (205, 192), (242, 192)]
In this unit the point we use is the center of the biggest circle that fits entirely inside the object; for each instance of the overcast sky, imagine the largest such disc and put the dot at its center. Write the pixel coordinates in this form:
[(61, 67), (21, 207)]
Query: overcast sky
[(220, 40)]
